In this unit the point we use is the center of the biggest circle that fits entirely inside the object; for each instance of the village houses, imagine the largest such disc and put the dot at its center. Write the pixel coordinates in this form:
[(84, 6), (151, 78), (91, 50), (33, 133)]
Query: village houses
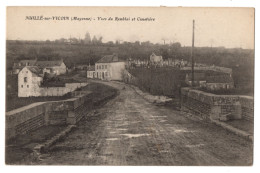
[(57, 67), (30, 80)]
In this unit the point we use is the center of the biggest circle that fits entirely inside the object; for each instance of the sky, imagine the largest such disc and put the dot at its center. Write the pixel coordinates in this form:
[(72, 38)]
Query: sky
[(228, 27)]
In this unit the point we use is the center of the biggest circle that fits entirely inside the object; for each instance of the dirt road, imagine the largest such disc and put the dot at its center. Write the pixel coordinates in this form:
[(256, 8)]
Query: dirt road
[(130, 131)]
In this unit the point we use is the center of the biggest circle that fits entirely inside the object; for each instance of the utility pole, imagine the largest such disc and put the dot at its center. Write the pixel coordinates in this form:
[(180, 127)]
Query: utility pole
[(192, 56)]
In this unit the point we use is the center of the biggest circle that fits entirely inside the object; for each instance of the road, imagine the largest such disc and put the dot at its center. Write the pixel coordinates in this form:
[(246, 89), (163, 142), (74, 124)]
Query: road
[(130, 131)]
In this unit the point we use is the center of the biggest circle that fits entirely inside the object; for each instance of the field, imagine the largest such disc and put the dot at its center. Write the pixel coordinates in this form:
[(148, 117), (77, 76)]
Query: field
[(160, 81)]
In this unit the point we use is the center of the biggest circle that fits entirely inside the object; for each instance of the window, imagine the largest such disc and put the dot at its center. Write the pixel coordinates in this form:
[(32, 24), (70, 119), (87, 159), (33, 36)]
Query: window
[(106, 74), (27, 86), (25, 79), (21, 86), (102, 66), (97, 66), (105, 66)]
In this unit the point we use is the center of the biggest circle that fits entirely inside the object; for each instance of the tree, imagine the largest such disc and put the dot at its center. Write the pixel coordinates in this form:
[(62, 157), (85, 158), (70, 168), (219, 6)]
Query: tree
[(100, 40), (94, 40), (87, 39)]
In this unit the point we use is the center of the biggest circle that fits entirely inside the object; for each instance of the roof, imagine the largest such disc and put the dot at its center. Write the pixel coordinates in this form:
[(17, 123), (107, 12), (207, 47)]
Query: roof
[(35, 70), (28, 61), (43, 64), (109, 59), (24, 63), (219, 79), (91, 68)]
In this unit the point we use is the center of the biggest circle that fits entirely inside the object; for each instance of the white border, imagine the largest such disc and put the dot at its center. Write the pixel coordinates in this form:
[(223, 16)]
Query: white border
[(189, 3)]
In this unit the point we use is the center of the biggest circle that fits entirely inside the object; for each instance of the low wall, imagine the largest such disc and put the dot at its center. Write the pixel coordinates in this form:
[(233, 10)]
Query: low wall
[(220, 107), (247, 106), (59, 91), (33, 116)]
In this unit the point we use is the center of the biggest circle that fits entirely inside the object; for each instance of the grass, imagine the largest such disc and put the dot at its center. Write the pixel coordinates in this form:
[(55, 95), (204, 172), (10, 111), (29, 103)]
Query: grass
[(159, 81)]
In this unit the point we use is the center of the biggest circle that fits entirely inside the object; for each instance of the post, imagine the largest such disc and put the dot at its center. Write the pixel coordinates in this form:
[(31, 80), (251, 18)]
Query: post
[(192, 56)]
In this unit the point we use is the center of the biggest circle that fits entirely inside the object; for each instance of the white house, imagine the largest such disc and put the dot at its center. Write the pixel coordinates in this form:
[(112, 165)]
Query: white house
[(29, 80), (154, 59), (109, 68)]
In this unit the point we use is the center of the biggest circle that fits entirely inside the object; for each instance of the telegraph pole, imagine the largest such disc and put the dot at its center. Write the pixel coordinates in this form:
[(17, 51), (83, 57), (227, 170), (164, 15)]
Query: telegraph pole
[(192, 56)]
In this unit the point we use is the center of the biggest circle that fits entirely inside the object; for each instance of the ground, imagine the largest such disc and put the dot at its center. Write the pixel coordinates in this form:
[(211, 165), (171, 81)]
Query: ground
[(128, 130)]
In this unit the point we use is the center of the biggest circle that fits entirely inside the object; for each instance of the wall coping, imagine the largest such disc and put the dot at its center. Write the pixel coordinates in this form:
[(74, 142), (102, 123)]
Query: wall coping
[(24, 108), (21, 109)]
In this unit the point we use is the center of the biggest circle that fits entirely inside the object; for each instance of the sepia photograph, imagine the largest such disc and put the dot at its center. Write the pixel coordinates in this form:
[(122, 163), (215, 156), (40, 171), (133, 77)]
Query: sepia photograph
[(129, 86)]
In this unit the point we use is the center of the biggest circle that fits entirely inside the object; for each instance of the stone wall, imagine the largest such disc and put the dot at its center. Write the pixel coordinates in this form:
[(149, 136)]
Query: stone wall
[(33, 116), (220, 107), (37, 91), (247, 106)]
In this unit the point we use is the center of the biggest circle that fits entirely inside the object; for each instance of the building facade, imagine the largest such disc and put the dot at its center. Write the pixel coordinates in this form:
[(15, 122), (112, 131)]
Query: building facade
[(29, 80), (109, 68), (52, 67)]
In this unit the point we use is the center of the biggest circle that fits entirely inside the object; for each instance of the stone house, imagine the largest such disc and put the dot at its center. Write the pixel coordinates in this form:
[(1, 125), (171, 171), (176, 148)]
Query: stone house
[(109, 68), (29, 79)]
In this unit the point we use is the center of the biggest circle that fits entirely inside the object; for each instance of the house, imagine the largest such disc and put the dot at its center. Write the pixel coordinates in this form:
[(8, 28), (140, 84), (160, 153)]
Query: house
[(29, 80), (30, 84), (109, 68), (53, 67), (219, 82), (91, 72), (154, 59), (18, 66)]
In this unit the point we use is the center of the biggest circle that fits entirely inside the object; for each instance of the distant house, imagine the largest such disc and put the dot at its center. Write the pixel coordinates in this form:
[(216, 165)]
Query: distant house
[(91, 72), (154, 59), (109, 68), (18, 66), (214, 82), (29, 80), (219, 82), (53, 67)]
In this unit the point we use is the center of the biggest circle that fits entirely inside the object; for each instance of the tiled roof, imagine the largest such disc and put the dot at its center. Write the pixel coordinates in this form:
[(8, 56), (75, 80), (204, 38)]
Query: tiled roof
[(109, 59), (35, 70), (43, 64), (24, 63)]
